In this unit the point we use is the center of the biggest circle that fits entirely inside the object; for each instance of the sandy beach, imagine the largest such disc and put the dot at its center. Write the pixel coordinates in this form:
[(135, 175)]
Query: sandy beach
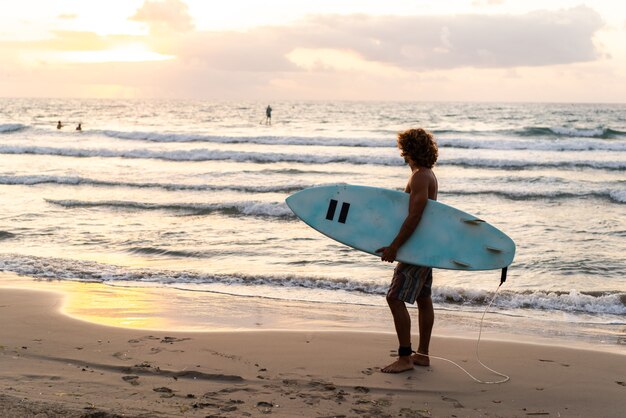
[(54, 365)]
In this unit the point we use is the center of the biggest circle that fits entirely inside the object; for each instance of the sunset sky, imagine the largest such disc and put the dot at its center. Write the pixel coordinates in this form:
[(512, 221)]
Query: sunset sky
[(426, 50)]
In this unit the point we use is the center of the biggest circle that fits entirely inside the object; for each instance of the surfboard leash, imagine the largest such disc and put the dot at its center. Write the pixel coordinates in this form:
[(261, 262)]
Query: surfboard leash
[(506, 378)]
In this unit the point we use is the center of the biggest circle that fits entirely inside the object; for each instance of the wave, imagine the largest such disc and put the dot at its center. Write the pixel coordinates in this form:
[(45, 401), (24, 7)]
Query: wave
[(199, 155), (535, 145), (500, 144), (617, 196), (604, 302), (597, 132), (607, 302), (164, 252), (249, 208), (6, 235), (264, 140), (6, 128), (524, 164), (76, 181)]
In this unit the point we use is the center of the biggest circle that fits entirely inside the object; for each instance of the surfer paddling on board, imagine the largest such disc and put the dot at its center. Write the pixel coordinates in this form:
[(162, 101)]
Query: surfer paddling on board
[(412, 283)]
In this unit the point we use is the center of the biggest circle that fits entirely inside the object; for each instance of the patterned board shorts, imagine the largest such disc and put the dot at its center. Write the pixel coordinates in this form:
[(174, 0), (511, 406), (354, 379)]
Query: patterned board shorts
[(410, 282)]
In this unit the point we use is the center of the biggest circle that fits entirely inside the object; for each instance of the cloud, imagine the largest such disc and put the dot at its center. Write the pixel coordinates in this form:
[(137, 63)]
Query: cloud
[(164, 16), (484, 41), (454, 57), (481, 3), (421, 43), (67, 16)]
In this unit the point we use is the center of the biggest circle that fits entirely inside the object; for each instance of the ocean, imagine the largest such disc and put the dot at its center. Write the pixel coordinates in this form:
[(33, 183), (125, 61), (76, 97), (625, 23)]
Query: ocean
[(189, 195)]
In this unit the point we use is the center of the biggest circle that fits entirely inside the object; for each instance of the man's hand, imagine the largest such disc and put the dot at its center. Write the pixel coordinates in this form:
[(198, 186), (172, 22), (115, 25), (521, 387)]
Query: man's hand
[(388, 254)]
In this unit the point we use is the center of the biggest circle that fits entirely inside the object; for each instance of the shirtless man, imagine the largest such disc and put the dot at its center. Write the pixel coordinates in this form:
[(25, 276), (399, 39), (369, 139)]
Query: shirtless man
[(412, 283), (268, 115)]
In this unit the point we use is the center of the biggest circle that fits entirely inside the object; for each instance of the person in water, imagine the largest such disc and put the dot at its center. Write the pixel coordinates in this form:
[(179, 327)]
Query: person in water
[(412, 283), (59, 125), (79, 127), (268, 115)]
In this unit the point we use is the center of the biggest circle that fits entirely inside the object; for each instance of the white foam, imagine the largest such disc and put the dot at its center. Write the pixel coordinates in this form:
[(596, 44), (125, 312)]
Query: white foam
[(597, 132), (574, 301), (262, 157), (74, 180), (519, 164), (266, 140), (249, 208), (609, 302), (618, 195), (496, 144), (535, 144)]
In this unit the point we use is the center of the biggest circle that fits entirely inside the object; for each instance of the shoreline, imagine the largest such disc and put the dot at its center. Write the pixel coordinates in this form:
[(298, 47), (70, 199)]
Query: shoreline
[(78, 368), (164, 309)]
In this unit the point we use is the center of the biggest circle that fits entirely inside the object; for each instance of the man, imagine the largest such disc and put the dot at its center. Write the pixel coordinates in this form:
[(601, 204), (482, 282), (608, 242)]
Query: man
[(412, 283), (268, 115)]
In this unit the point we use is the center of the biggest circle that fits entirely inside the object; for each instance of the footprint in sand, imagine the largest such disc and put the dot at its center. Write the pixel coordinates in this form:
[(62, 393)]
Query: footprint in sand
[(132, 379), (172, 340), (121, 355), (369, 371), (164, 391), (456, 403), (142, 339)]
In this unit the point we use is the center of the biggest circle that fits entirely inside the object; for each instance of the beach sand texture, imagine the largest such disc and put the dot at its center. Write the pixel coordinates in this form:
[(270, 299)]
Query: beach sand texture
[(52, 365)]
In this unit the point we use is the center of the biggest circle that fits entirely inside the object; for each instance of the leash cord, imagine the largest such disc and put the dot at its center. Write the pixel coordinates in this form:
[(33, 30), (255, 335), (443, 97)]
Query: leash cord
[(505, 377)]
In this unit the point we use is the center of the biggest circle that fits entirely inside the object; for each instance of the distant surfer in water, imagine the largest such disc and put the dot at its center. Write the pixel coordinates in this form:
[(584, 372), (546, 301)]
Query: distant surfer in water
[(412, 283), (268, 115), (59, 125), (79, 127)]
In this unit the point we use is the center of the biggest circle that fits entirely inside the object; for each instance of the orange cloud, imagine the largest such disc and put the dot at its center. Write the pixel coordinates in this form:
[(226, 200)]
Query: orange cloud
[(165, 16)]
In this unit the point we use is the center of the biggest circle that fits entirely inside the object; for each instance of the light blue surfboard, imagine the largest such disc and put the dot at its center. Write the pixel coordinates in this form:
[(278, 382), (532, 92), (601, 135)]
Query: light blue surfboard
[(368, 218)]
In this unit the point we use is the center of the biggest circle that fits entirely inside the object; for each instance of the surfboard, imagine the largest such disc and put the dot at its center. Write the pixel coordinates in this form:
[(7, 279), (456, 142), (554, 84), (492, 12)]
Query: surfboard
[(368, 218)]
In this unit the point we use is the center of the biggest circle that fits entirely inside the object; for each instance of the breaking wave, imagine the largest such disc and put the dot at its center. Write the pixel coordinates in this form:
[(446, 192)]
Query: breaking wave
[(198, 155), (604, 302), (248, 208), (499, 143), (515, 193)]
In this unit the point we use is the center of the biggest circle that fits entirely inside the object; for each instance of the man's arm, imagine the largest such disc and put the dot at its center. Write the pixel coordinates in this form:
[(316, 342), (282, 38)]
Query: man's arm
[(417, 202)]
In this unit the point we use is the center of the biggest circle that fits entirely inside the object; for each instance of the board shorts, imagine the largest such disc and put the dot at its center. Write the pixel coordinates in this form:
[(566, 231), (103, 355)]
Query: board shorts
[(410, 282)]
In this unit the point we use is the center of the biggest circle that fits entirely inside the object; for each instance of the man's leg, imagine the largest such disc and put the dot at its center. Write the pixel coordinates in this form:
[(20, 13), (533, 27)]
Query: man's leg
[(402, 322), (426, 321)]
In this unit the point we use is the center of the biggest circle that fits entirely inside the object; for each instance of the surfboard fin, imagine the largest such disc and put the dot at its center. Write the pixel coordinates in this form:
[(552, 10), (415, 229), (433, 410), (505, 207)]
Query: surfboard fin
[(461, 263), (473, 221), (494, 249)]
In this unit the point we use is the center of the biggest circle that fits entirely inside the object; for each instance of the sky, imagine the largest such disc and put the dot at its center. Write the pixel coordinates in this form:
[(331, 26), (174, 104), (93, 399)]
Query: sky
[(418, 50)]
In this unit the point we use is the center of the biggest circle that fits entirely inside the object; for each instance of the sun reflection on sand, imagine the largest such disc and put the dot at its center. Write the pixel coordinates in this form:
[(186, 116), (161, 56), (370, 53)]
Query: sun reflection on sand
[(119, 307), (137, 308)]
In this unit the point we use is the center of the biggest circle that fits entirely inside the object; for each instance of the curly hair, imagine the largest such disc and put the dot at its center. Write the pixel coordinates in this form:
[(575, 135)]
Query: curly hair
[(419, 145)]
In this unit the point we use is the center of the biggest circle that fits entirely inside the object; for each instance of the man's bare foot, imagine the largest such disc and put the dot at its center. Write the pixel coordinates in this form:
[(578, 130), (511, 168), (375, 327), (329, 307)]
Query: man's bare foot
[(419, 360), (403, 364)]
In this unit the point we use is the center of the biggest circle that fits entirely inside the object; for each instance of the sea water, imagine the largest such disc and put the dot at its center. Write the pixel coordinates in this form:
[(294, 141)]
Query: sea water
[(190, 195)]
